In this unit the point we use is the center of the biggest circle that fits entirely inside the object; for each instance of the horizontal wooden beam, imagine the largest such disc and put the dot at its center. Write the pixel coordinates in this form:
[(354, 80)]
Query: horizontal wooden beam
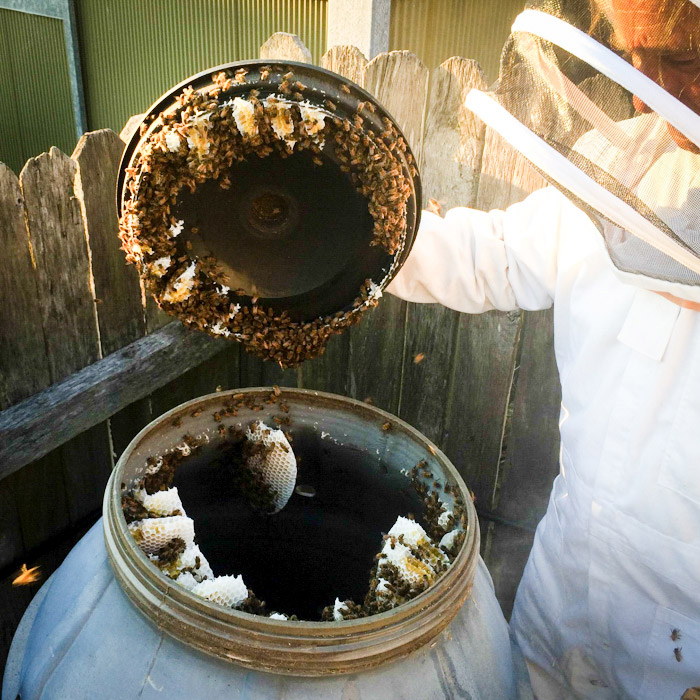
[(32, 428)]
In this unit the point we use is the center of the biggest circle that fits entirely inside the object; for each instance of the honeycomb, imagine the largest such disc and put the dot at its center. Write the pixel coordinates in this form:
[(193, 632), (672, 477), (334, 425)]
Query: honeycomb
[(447, 542), (410, 569), (417, 538), (338, 609), (229, 591), (444, 520), (161, 503), (278, 467), (188, 560), (152, 534), (412, 532), (187, 580)]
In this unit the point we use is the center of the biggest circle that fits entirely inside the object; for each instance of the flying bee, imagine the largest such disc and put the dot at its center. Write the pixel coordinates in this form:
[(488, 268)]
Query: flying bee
[(27, 576)]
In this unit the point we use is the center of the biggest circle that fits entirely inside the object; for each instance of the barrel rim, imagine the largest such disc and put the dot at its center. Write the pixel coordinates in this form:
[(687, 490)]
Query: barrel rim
[(303, 648)]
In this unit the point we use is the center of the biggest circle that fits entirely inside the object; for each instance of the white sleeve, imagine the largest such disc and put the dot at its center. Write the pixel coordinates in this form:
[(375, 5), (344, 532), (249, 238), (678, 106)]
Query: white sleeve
[(474, 261)]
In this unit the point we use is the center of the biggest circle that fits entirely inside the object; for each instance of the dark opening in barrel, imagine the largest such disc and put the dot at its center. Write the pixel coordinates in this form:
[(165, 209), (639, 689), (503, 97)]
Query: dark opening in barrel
[(322, 545)]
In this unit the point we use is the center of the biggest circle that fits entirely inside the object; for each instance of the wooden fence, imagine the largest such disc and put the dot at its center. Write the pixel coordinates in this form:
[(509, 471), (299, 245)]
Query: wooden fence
[(86, 361)]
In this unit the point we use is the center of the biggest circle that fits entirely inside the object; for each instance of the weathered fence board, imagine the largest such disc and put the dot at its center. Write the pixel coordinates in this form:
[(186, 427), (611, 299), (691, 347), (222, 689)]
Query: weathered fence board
[(377, 345), (117, 291), (22, 352), (285, 46), (63, 278), (347, 61), (22, 373), (453, 140), (485, 349)]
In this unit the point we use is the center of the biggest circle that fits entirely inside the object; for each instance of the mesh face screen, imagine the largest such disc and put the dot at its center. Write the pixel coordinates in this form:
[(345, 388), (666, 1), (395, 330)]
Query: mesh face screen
[(589, 118)]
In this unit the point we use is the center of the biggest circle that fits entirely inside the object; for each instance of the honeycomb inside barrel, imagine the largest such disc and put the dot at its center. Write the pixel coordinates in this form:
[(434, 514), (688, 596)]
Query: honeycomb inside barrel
[(322, 545)]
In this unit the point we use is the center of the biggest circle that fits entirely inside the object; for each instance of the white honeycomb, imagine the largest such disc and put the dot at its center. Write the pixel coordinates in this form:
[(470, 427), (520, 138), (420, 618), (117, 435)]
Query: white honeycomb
[(279, 467), (338, 609), (415, 536), (278, 616), (188, 560), (444, 519), (187, 581), (229, 591), (412, 532), (410, 569), (448, 540), (161, 503), (154, 533), (244, 114), (383, 587)]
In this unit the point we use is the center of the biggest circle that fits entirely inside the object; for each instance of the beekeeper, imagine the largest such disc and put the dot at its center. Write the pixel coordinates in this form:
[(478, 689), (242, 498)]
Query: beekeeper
[(609, 604)]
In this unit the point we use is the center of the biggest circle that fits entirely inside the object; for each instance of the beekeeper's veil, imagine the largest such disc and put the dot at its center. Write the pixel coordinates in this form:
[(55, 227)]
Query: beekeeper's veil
[(564, 100)]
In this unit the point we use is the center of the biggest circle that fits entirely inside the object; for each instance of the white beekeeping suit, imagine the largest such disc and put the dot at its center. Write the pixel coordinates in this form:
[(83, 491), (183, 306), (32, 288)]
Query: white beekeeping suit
[(609, 604)]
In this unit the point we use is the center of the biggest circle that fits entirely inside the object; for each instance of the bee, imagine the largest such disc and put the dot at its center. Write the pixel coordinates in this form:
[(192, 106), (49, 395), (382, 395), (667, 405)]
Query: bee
[(264, 72), (386, 426), (317, 160), (330, 105), (27, 576), (345, 88), (288, 76), (432, 450), (675, 634), (677, 653), (419, 358)]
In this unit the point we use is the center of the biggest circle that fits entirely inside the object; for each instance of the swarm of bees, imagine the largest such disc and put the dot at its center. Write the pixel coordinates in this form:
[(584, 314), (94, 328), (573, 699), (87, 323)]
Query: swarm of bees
[(199, 139)]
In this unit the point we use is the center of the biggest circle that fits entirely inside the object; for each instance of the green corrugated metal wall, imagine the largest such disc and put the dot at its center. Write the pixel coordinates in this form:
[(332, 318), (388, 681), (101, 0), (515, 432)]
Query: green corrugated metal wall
[(35, 103), (437, 29), (134, 50)]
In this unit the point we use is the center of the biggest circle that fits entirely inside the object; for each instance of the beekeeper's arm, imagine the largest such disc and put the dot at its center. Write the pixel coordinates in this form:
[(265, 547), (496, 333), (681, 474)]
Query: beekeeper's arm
[(474, 261)]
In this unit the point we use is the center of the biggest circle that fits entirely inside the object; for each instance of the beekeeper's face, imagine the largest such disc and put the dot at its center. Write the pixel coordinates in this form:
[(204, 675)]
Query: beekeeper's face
[(663, 39)]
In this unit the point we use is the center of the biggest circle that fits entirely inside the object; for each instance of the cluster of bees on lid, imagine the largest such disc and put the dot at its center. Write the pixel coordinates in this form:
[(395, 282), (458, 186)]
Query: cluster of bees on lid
[(199, 139), (411, 557)]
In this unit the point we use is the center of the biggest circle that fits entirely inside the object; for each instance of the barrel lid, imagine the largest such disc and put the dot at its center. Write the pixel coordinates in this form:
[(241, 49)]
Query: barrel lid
[(293, 231)]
